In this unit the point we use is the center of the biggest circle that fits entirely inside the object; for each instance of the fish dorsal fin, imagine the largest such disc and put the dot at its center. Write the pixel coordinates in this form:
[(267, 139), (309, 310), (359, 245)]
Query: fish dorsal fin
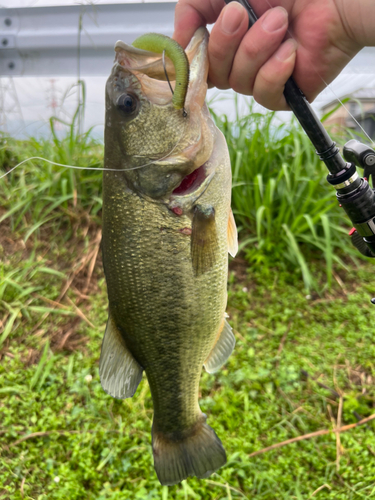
[(204, 245), (119, 372), (222, 349), (232, 235)]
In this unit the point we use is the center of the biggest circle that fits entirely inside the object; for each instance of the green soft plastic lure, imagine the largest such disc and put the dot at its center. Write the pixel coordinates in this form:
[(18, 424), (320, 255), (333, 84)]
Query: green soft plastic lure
[(155, 42)]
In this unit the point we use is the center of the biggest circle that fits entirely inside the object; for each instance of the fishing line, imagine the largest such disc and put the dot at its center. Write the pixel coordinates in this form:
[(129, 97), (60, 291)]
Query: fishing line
[(97, 168), (328, 86), (342, 104)]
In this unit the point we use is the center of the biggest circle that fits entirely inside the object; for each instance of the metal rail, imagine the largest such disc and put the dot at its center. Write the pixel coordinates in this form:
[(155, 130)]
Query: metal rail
[(43, 41)]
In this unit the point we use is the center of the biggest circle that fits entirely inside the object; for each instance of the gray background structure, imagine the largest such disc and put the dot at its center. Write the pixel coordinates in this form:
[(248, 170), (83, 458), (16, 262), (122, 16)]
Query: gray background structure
[(46, 45)]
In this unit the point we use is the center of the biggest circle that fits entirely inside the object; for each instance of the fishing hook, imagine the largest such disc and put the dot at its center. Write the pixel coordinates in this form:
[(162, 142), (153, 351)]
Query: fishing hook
[(165, 72)]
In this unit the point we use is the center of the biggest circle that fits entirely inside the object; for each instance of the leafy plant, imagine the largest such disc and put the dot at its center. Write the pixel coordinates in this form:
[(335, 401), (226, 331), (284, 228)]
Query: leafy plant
[(281, 199), (63, 438), (287, 212), (35, 191)]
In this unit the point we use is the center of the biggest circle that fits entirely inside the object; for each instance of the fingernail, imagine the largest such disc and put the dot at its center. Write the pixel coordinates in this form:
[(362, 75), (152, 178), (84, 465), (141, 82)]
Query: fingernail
[(286, 50), (275, 19), (232, 17)]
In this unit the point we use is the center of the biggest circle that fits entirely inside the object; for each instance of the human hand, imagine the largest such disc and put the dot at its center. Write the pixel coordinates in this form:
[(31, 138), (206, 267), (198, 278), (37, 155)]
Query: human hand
[(322, 37)]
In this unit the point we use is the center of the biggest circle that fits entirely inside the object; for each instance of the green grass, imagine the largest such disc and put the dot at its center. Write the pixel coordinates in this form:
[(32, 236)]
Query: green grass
[(99, 448), (34, 191), (286, 211), (37, 192), (62, 437), (285, 207)]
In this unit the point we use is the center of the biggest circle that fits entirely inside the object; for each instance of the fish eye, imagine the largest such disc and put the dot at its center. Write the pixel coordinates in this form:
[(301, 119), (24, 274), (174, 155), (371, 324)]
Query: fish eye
[(127, 103)]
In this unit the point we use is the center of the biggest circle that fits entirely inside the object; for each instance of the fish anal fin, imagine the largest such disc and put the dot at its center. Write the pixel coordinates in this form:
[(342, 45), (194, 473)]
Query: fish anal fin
[(120, 373), (222, 349), (232, 235), (204, 244)]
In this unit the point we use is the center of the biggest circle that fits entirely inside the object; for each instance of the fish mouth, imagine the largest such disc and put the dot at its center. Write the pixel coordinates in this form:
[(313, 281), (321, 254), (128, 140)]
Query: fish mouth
[(151, 71)]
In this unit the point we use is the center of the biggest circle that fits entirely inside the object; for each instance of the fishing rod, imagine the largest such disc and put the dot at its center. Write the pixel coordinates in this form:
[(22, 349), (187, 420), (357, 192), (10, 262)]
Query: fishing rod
[(353, 192)]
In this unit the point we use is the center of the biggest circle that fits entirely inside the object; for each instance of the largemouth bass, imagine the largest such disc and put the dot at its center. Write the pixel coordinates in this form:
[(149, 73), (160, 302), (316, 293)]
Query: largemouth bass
[(167, 228)]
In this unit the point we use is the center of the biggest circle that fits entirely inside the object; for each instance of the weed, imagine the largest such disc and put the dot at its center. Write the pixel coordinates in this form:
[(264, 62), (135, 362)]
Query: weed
[(38, 193), (63, 437), (281, 199)]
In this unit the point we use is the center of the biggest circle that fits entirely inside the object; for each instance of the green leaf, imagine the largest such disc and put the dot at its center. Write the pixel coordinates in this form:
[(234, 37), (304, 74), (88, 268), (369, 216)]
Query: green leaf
[(40, 367), (8, 326), (307, 277)]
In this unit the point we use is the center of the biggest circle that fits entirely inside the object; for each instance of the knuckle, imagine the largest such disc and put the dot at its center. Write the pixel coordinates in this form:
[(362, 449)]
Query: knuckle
[(258, 96), (261, 93), (215, 9), (267, 81), (216, 51), (274, 101), (180, 8), (219, 68), (249, 49), (222, 86), (241, 85), (220, 81)]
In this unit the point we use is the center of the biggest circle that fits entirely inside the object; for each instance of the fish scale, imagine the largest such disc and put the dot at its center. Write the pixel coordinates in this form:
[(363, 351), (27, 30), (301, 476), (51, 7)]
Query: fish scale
[(156, 311)]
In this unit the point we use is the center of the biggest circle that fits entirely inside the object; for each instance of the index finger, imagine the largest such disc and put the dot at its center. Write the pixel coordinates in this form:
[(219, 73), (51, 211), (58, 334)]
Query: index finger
[(191, 14)]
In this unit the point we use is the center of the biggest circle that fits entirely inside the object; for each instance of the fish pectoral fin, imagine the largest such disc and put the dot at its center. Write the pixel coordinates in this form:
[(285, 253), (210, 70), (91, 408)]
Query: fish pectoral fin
[(120, 373), (232, 235), (222, 349), (204, 244)]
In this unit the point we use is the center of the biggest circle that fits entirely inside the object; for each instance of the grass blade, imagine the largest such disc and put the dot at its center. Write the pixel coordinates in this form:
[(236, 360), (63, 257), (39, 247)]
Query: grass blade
[(40, 366)]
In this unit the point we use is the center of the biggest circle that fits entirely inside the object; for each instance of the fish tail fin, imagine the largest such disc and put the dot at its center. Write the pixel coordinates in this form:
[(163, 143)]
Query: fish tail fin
[(198, 452)]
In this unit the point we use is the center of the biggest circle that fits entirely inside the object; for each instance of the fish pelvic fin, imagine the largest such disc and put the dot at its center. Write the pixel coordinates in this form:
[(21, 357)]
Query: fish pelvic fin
[(232, 235), (222, 349), (119, 372), (204, 244), (196, 452)]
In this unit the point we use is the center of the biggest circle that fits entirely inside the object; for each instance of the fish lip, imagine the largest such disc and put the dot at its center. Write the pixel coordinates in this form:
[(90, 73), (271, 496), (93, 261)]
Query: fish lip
[(198, 69), (120, 45)]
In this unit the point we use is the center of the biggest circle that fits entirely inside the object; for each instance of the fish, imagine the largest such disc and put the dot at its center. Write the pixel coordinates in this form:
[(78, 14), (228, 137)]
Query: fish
[(167, 230)]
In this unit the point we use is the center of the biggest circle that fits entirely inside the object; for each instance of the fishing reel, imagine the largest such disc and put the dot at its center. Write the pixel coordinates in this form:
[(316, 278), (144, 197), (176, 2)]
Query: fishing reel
[(356, 196)]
